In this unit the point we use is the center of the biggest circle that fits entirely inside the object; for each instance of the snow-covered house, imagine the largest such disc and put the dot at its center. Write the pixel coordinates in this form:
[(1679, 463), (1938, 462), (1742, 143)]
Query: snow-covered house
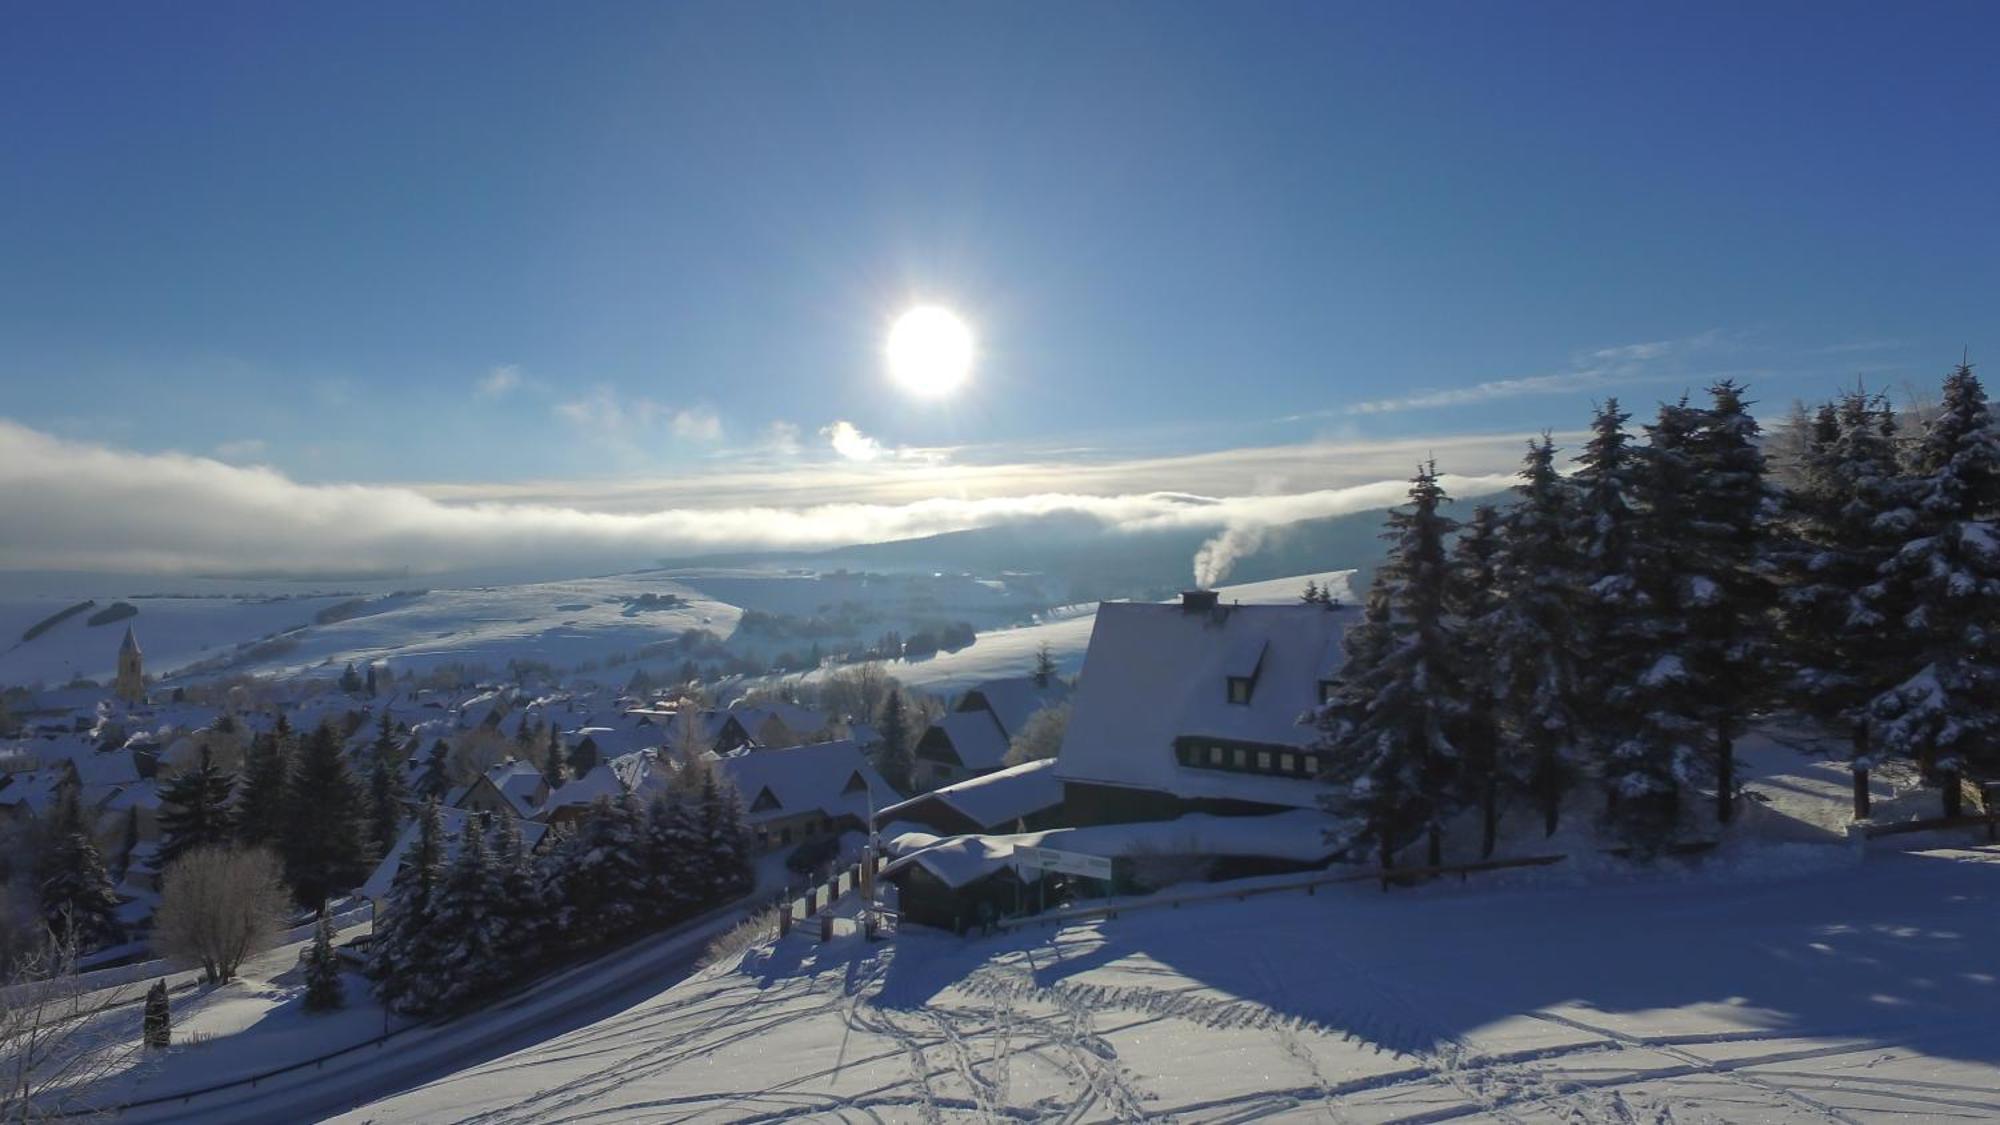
[(569, 803), (972, 739), (805, 792), (1016, 799), (1195, 707), (511, 788)]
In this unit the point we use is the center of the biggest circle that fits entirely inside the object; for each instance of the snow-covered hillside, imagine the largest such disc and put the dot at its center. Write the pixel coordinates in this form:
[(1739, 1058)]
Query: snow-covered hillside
[(1829, 992)]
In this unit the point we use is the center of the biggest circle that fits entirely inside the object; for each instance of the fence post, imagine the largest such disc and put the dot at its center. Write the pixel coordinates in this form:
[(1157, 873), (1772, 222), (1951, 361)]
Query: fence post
[(1857, 838)]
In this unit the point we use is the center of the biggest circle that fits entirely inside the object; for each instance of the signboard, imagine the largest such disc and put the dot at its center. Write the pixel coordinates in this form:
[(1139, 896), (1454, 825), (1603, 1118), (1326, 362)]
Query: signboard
[(1069, 863)]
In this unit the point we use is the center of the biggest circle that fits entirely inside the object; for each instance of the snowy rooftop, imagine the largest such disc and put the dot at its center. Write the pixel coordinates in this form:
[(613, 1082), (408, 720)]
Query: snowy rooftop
[(998, 799), (1299, 835), (822, 775), (1155, 673), (975, 737), (1014, 699)]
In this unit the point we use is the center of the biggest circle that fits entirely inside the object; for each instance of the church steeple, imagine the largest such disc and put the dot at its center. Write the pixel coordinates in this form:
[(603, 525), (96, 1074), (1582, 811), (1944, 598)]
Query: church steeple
[(131, 685)]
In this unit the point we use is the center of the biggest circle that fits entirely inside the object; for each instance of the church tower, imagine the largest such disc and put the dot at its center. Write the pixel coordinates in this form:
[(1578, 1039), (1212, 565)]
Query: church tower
[(131, 686)]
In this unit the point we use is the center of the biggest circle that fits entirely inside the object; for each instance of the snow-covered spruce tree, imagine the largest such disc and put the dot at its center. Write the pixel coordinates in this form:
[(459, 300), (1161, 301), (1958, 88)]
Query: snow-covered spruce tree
[(1536, 639), (79, 903), (1604, 522), (434, 781), (726, 838), (1843, 519), (676, 856), (385, 804), (260, 804), (324, 989), (195, 810), (599, 879), (555, 763), (1391, 725), (470, 924), (583, 756), (1663, 737), (1727, 593), (895, 758), (325, 838), (350, 680), (1472, 596), (1943, 589), (518, 944), (405, 956), (157, 1025)]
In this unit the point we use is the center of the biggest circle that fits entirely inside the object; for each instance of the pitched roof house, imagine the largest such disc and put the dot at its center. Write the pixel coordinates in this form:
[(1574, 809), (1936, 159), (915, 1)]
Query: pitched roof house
[(1196, 707), (972, 738), (804, 792)]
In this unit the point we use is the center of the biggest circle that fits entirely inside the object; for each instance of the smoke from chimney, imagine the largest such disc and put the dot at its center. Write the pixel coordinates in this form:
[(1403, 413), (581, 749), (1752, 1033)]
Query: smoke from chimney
[(1218, 556)]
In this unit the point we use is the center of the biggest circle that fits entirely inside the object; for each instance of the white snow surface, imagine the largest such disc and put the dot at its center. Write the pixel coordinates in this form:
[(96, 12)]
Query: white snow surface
[(1757, 990)]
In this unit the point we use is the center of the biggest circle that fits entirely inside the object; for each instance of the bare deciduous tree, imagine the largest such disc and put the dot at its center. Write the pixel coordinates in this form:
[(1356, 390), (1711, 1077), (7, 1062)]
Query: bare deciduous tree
[(219, 906), (1041, 736), (58, 1037)]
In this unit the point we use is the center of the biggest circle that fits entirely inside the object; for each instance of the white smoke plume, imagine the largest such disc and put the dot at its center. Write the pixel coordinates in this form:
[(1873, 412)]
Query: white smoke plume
[(1219, 556)]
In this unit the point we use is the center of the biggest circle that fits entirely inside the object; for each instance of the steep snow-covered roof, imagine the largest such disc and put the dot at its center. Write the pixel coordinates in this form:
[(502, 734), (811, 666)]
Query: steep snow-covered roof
[(975, 737), (602, 781), (995, 800), (1154, 673), (804, 778), (1014, 699)]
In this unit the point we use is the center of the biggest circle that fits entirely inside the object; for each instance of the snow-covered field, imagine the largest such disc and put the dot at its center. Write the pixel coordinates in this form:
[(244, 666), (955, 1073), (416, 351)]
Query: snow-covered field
[(1011, 652), (1785, 977), (1851, 992)]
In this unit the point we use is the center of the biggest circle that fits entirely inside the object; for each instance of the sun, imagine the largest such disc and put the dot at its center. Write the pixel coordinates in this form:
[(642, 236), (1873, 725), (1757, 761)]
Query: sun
[(930, 351)]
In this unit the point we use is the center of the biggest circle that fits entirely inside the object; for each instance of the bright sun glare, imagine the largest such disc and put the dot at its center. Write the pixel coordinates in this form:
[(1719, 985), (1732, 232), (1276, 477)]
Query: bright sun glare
[(930, 351)]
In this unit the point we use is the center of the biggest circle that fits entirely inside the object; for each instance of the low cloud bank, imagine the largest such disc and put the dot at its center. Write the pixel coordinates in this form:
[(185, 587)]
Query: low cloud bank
[(74, 506)]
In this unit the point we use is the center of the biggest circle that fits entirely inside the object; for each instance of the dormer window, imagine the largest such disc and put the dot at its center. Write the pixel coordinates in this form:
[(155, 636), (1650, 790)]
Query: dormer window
[(764, 802), (1240, 667)]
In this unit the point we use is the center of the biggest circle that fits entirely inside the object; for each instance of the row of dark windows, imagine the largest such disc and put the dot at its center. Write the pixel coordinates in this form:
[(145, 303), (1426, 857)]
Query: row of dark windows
[(1273, 761)]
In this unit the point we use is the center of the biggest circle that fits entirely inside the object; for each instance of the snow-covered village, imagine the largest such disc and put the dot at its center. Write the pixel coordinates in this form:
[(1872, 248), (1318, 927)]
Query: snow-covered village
[(739, 563)]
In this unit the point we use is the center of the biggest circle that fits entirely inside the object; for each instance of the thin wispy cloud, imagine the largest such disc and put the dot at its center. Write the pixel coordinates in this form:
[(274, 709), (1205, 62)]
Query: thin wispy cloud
[(242, 449), (500, 382), (1651, 361), (697, 424)]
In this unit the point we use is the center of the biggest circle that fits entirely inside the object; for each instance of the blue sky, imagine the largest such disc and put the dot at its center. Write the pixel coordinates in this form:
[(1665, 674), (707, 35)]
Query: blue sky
[(309, 238)]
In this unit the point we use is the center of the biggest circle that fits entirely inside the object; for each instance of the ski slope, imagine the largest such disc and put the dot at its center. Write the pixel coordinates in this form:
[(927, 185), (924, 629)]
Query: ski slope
[(1858, 990)]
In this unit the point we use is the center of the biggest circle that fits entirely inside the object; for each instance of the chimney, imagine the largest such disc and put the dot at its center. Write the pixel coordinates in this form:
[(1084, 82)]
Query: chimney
[(1198, 601)]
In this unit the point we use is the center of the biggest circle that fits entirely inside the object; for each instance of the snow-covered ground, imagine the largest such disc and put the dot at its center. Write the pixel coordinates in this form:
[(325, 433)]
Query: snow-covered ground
[(1854, 992), (1787, 976)]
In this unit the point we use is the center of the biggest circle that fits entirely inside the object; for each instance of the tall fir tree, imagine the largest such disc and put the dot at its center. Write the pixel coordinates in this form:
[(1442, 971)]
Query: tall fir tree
[(726, 838), (1664, 740), (676, 855), (385, 803), (598, 881), (324, 989), (1605, 486), (895, 758), (555, 763), (1844, 518), (260, 806), (1472, 597), (470, 923), (325, 839), (583, 756), (518, 944), (1398, 705), (1727, 589), (434, 780), (1537, 642), (1943, 590), (405, 957), (77, 898), (195, 810)]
